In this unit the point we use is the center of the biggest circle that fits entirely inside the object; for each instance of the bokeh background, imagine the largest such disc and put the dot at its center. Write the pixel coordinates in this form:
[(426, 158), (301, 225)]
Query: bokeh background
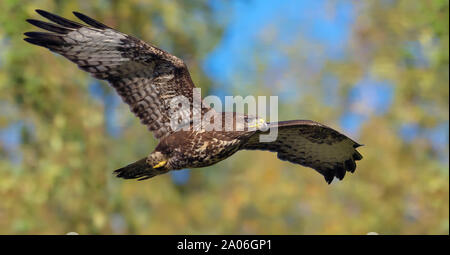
[(376, 70)]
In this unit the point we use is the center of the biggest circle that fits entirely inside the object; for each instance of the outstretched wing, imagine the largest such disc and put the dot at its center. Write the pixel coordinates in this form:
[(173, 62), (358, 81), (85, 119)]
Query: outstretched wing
[(146, 78), (311, 144)]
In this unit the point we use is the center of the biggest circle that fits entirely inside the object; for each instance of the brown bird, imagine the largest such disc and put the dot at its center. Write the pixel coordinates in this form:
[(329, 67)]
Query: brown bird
[(147, 78)]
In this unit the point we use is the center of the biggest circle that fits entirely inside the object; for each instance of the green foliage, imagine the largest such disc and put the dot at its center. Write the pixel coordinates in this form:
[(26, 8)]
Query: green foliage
[(64, 180)]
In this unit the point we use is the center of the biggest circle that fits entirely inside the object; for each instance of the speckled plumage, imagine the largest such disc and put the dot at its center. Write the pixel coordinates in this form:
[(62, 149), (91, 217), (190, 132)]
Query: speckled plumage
[(147, 78)]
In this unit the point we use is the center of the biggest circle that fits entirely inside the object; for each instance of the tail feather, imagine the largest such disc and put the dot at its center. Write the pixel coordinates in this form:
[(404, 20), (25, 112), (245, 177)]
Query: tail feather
[(138, 170)]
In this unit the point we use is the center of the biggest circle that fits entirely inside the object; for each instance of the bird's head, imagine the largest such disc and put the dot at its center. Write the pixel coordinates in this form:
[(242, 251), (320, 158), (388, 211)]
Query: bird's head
[(256, 123)]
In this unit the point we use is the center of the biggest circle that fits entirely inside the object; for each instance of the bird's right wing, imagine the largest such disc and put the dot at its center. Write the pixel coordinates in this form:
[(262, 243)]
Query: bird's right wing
[(146, 77), (311, 144)]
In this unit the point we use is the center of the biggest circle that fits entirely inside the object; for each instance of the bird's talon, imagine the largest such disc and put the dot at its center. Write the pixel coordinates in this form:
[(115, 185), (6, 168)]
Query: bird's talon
[(160, 164)]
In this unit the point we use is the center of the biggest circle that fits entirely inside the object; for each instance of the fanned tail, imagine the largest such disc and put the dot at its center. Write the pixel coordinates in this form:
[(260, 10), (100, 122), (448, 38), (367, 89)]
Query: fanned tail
[(138, 170)]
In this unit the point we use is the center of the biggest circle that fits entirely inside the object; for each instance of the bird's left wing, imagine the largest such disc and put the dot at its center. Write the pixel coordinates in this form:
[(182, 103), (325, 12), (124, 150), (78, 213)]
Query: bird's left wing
[(146, 77), (311, 144)]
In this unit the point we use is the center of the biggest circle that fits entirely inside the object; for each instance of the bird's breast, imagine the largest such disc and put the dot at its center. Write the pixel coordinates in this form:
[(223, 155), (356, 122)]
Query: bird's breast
[(205, 150)]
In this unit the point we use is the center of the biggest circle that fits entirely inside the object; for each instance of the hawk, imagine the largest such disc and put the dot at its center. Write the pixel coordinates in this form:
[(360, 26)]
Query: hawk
[(146, 77)]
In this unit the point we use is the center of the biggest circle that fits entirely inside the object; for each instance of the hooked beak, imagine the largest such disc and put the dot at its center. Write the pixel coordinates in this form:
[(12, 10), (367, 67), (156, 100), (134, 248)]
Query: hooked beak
[(259, 124)]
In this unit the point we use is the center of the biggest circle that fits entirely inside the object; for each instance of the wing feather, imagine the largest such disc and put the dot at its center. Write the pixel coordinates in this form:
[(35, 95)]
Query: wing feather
[(311, 144), (90, 21), (146, 77)]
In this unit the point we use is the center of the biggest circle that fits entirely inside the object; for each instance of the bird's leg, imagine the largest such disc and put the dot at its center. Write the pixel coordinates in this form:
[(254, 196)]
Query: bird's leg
[(160, 164)]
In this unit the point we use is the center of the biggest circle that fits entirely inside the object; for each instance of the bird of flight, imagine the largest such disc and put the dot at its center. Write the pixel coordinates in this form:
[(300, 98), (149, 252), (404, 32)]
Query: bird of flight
[(146, 77)]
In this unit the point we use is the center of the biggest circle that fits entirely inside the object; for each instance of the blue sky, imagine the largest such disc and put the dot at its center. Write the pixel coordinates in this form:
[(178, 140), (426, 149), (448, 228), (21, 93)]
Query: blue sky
[(249, 20)]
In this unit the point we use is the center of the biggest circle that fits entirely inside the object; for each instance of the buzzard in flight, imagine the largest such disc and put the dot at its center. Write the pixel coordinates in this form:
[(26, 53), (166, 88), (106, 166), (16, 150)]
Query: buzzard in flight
[(147, 78)]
